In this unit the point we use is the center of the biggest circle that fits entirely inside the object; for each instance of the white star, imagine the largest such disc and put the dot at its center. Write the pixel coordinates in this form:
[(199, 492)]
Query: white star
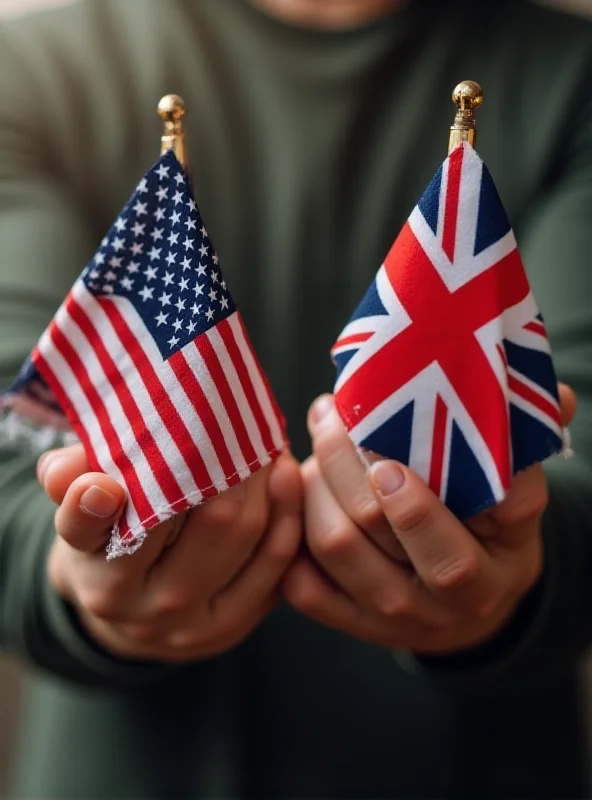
[(179, 179), (210, 314), (168, 278), (150, 273), (203, 251), (201, 269), (172, 238), (212, 295), (214, 277), (94, 273), (180, 305), (173, 341), (120, 224), (195, 308), (170, 259), (191, 327), (132, 267), (191, 204), (104, 241), (156, 234), (188, 243), (178, 198), (191, 224), (186, 264), (198, 289), (137, 248), (99, 259), (175, 217), (115, 262), (108, 288), (223, 285), (215, 259), (177, 324), (161, 319), (162, 172), (159, 214), (138, 229), (110, 275), (203, 231), (93, 285), (143, 186), (127, 283), (183, 284), (155, 253), (140, 208), (162, 193), (146, 293), (223, 303), (165, 299)]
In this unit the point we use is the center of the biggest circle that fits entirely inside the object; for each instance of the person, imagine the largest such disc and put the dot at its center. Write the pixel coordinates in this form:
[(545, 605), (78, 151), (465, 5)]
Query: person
[(278, 648)]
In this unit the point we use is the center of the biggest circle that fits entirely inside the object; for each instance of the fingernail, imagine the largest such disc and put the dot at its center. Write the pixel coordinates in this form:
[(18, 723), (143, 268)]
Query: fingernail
[(42, 465), (99, 502), (387, 477), (321, 407)]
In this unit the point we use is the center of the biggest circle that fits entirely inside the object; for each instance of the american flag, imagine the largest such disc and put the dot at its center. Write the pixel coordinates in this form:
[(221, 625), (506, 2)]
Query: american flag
[(150, 360), (445, 364)]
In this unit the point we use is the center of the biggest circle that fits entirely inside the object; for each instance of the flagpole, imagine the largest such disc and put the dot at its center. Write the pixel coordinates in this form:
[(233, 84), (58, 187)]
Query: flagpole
[(467, 97), (171, 110)]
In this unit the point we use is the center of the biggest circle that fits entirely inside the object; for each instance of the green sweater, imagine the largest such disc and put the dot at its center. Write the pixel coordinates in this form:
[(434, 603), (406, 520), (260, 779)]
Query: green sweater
[(308, 151)]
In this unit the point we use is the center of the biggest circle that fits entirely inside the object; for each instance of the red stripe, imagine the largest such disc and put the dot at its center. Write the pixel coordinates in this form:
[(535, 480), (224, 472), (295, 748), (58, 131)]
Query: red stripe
[(168, 413), (438, 445), (204, 411), (243, 375), (522, 390), (536, 327), (502, 354), (156, 461), (355, 338), (276, 409), (452, 197), (120, 458), (208, 354)]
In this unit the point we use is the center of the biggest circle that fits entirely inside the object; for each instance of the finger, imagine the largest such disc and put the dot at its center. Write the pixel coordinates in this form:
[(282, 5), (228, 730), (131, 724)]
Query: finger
[(260, 578), (364, 573), (567, 403), (345, 474), (217, 540), (88, 511), (448, 559), (56, 470), (516, 520)]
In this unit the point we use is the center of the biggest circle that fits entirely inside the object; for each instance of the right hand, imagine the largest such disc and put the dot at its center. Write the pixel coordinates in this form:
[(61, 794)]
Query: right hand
[(198, 597)]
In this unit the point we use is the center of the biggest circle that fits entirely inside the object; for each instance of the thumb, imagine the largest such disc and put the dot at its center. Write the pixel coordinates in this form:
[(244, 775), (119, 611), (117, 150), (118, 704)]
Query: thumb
[(90, 507), (567, 403)]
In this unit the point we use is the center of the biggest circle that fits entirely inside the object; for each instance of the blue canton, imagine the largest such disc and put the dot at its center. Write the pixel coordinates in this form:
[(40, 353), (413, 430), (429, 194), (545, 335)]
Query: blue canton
[(159, 256)]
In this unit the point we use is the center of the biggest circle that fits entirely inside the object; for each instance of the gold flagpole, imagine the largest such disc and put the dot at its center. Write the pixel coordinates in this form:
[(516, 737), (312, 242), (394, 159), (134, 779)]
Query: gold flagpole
[(171, 110), (467, 96)]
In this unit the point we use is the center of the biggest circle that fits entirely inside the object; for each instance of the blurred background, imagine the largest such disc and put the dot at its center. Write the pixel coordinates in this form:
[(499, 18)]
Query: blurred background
[(12, 681)]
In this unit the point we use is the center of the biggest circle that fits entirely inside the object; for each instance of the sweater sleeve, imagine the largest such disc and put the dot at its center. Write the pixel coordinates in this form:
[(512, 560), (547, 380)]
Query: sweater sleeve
[(553, 625), (44, 242)]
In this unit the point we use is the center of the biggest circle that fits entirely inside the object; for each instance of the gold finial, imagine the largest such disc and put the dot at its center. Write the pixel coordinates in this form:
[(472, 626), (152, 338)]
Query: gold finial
[(467, 96), (171, 110)]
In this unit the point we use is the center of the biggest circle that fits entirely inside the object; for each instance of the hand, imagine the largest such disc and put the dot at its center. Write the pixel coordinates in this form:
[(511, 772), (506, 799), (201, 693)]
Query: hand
[(461, 584), (193, 599)]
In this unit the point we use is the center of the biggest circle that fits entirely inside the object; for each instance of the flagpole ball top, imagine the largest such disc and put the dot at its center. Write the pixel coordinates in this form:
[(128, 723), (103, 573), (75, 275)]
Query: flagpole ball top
[(171, 108), (467, 96)]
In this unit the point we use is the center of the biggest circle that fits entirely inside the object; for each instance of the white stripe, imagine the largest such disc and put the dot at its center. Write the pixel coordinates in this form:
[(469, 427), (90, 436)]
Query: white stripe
[(236, 388), (133, 378), (65, 376), (261, 390), (175, 390), (117, 416), (534, 411)]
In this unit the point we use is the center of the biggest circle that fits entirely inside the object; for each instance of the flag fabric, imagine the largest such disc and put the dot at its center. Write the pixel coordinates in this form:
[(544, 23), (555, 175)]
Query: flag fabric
[(150, 361), (445, 365)]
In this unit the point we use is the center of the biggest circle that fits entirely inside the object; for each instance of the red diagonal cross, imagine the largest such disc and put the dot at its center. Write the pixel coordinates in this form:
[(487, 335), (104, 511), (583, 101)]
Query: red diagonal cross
[(442, 329)]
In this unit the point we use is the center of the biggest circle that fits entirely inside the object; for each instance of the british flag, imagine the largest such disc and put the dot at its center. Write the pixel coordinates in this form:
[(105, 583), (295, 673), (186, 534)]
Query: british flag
[(445, 364)]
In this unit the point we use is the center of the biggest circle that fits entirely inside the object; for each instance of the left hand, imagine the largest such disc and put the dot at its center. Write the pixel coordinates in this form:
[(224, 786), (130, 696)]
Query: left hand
[(461, 583)]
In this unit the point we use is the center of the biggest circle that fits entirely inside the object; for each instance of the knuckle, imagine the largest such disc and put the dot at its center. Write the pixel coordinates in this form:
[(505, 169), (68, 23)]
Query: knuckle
[(140, 633), (301, 594), (333, 542), (173, 600), (328, 445), (220, 513), (393, 605), (452, 574), (100, 604), (366, 511), (527, 507), (412, 516), (281, 549)]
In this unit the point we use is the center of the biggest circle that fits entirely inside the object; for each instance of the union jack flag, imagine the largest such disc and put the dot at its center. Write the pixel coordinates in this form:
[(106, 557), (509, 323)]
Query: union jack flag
[(445, 364), (151, 363)]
